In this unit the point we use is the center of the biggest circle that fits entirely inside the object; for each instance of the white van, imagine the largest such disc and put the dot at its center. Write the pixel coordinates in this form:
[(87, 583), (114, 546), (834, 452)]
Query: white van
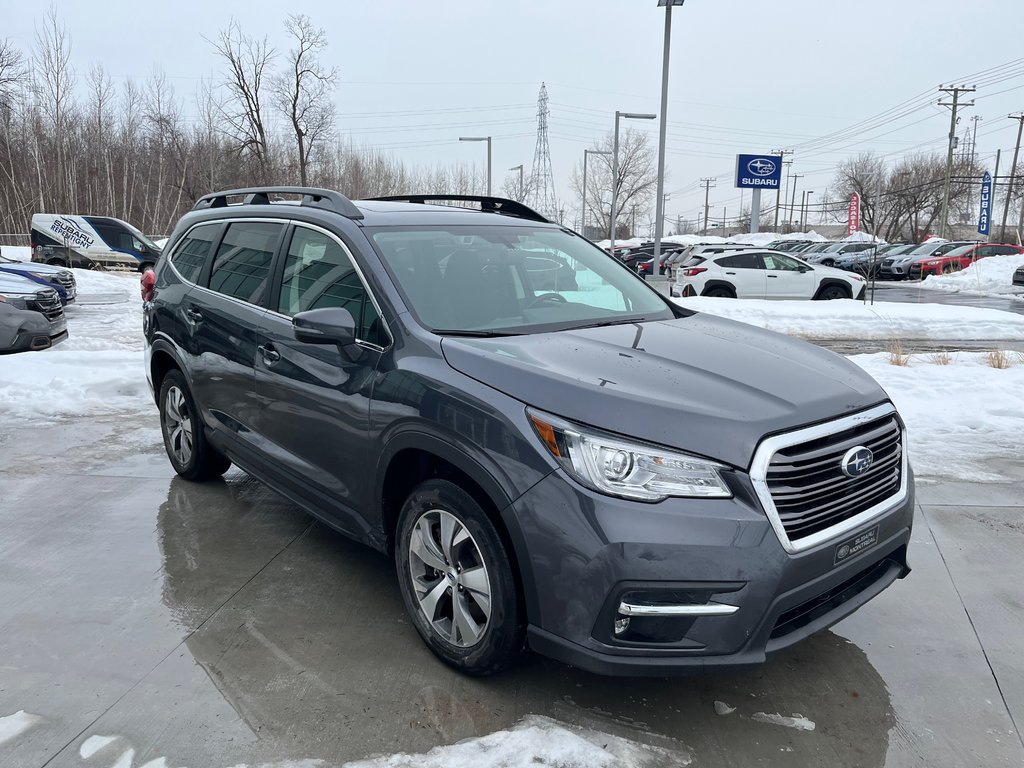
[(91, 242)]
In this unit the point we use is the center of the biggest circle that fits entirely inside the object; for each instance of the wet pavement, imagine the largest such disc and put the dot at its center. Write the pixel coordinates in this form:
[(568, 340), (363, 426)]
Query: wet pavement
[(217, 624)]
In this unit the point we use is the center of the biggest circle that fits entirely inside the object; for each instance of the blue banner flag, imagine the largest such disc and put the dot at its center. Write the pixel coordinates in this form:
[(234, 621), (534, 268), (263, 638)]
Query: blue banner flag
[(985, 216)]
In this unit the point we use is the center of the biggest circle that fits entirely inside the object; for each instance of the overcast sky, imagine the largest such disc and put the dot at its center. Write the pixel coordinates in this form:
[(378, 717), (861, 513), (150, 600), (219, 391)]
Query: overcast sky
[(746, 75)]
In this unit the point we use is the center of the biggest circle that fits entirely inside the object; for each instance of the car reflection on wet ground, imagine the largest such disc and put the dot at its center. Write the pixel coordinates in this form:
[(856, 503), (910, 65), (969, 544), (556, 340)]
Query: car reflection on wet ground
[(218, 624)]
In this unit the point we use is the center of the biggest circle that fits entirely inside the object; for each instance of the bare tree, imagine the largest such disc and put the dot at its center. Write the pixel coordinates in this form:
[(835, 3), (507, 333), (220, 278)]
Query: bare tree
[(302, 92), (637, 178), (55, 83), (12, 74), (243, 112)]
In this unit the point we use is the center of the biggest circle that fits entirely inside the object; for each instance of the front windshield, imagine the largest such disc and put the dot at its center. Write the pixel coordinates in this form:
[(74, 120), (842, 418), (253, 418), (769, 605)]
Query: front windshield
[(145, 240), (511, 279)]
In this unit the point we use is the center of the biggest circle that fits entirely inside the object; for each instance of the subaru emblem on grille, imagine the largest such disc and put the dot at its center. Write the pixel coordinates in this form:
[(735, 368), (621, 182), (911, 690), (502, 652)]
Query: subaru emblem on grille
[(857, 461)]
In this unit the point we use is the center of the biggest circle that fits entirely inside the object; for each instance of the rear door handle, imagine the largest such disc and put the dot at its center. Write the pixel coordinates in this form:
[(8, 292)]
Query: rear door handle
[(773, 277), (270, 355), (194, 315)]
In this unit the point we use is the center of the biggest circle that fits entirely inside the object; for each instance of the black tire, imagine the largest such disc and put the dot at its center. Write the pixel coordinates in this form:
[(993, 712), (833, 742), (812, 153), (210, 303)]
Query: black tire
[(202, 461), (57, 262), (830, 292), (719, 293), (502, 640)]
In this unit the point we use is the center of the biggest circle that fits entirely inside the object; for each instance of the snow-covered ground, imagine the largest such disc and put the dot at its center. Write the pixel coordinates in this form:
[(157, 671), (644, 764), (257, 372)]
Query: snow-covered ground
[(992, 276), (757, 238), (851, 319), (16, 252)]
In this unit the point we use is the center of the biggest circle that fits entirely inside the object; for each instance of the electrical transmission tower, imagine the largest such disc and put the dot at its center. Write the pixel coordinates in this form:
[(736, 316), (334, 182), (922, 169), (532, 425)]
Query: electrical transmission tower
[(541, 195)]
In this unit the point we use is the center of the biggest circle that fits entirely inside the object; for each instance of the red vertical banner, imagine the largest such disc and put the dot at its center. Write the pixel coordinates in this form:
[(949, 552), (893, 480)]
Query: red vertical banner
[(853, 215)]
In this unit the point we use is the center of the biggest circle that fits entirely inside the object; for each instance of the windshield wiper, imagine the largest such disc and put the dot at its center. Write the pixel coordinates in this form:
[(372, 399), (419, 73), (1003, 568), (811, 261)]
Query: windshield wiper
[(471, 333), (605, 323)]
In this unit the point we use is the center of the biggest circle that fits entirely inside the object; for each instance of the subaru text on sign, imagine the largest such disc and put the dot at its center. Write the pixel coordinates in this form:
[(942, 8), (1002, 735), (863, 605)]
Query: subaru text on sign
[(758, 171)]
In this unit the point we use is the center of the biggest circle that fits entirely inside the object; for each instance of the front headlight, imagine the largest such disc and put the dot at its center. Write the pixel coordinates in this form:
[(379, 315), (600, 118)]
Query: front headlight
[(617, 467), (16, 301)]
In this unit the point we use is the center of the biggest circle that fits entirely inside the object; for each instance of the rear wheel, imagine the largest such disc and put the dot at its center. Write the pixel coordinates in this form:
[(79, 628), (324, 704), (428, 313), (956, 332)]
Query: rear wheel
[(719, 293), (456, 580), (189, 451), (833, 292)]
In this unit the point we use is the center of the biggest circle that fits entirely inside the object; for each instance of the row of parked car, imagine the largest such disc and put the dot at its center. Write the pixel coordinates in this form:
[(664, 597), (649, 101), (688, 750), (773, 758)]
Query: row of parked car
[(897, 261), (32, 301)]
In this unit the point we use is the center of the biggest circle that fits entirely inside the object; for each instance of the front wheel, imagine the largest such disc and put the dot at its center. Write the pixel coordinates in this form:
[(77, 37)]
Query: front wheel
[(719, 293), (456, 579), (189, 451), (833, 292)]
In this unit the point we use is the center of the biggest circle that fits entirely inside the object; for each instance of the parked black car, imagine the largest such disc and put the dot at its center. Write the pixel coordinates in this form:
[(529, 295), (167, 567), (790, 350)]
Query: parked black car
[(618, 482)]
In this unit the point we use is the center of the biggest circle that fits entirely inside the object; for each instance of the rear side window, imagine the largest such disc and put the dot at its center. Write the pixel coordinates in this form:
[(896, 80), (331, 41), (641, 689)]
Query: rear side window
[(741, 261), (242, 265), (192, 254), (319, 273)]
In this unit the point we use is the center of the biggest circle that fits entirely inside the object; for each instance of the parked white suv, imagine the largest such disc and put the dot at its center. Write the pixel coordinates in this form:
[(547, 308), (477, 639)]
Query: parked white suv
[(763, 274)]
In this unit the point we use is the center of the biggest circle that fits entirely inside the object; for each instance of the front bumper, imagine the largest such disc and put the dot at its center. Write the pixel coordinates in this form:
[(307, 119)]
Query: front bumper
[(582, 554)]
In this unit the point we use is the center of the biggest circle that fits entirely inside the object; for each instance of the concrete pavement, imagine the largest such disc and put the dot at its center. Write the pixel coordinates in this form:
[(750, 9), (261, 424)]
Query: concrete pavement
[(217, 624)]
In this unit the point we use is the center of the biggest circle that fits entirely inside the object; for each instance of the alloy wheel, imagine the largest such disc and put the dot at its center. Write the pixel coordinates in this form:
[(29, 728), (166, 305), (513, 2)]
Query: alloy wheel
[(178, 426), (450, 578)]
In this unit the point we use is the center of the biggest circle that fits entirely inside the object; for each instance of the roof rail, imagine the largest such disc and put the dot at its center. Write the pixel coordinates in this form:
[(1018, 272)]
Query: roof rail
[(487, 204), (326, 199)]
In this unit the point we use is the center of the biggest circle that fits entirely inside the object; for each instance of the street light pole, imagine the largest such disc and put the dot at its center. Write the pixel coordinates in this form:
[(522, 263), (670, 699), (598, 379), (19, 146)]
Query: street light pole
[(488, 140), (519, 168), (807, 210), (792, 205), (585, 153), (615, 168), (659, 209)]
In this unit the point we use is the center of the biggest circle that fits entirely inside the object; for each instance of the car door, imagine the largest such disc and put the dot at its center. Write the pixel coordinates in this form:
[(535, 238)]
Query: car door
[(746, 274), (315, 398), (787, 278), (222, 316)]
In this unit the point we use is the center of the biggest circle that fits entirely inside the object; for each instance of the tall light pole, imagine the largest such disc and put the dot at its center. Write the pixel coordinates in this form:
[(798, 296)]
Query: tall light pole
[(520, 169), (488, 140), (807, 210), (1013, 173), (585, 153), (615, 167), (659, 210)]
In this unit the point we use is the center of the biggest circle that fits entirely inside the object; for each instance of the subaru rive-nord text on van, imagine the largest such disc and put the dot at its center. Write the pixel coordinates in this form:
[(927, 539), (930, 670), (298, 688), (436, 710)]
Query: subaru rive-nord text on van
[(577, 466)]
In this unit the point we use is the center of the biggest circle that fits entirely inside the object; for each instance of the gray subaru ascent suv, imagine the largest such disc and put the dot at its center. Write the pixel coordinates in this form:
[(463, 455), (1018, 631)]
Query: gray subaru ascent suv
[(556, 456)]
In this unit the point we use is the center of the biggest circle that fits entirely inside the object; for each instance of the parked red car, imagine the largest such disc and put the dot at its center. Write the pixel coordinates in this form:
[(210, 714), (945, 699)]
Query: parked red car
[(959, 258)]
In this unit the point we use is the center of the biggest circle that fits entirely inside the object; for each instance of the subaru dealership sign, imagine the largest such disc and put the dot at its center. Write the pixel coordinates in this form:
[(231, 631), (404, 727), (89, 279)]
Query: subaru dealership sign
[(758, 171), (985, 215)]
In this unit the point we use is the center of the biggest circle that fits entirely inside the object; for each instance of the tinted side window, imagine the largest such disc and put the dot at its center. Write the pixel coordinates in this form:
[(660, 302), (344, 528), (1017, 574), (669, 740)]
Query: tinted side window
[(319, 273), (195, 248), (740, 260), (242, 265)]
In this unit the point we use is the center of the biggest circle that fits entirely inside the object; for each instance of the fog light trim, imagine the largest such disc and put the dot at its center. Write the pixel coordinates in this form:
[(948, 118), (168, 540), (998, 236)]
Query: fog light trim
[(707, 609)]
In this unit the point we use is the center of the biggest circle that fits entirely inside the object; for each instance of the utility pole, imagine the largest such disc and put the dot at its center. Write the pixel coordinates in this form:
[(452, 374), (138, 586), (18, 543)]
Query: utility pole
[(1013, 174), (954, 106), (792, 207), (803, 207), (707, 190), (782, 153)]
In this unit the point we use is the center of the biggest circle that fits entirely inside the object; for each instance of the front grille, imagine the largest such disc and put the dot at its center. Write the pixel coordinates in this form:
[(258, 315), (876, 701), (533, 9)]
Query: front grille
[(809, 489), (48, 303), (887, 262)]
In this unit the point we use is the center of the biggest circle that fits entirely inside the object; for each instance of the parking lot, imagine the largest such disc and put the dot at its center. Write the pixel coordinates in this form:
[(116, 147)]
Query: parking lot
[(216, 625)]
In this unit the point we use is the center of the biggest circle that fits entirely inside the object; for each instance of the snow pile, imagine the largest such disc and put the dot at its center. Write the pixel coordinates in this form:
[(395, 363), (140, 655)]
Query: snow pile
[(757, 238), (985, 277), (535, 741), (12, 726), (16, 252), (862, 237), (632, 243), (693, 239), (797, 721), (959, 416), (851, 319), (99, 369)]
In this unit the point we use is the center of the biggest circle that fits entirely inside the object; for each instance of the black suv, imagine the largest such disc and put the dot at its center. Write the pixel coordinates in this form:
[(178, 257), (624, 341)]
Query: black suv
[(554, 454)]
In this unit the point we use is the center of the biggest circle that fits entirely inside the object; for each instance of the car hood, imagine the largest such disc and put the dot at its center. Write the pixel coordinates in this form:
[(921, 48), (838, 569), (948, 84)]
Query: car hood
[(16, 284), (701, 384), (39, 269)]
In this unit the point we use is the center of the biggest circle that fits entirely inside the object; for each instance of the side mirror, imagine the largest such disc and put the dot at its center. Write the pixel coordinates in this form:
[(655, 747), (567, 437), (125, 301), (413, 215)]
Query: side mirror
[(331, 325)]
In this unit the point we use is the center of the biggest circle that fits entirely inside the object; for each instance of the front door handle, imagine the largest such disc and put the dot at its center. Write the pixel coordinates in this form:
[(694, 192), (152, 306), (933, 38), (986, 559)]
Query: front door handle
[(270, 355), (730, 273), (194, 315)]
